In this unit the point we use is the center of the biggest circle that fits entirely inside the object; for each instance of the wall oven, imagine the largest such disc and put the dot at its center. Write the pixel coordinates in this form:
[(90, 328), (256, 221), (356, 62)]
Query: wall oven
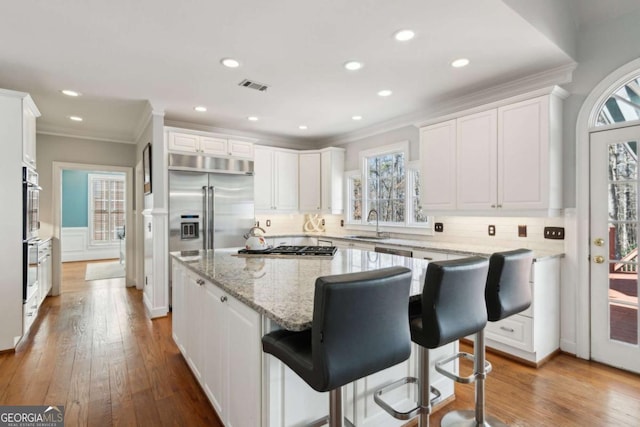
[(30, 227)]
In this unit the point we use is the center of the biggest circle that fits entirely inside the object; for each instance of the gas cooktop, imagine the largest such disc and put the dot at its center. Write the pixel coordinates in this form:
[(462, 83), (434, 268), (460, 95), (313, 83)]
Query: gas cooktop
[(294, 250)]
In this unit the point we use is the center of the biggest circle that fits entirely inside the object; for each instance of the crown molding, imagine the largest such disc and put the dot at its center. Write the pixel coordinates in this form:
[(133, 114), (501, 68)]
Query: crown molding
[(544, 81), (231, 133), (45, 129)]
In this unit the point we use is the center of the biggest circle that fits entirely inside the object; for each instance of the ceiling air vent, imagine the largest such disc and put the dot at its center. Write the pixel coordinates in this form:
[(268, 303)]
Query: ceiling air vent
[(253, 85)]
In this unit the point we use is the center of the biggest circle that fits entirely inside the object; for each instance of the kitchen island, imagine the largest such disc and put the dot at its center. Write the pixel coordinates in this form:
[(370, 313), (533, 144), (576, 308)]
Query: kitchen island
[(223, 304)]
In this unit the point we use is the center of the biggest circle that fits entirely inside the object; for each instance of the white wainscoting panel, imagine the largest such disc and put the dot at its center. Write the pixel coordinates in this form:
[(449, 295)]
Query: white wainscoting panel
[(75, 246)]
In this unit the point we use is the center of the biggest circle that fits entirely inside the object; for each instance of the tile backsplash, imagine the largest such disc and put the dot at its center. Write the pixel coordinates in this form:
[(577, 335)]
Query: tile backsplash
[(457, 229)]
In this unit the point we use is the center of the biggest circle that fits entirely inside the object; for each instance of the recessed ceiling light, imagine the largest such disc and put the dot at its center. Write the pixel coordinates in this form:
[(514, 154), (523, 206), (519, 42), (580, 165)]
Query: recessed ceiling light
[(303, 127), (230, 63), (252, 118), (385, 92), (200, 108), (75, 118), (353, 65), (357, 117), (70, 92), (459, 63), (404, 35)]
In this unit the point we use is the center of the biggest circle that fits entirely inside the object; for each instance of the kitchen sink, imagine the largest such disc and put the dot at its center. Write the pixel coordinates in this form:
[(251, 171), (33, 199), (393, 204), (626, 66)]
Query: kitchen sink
[(368, 237)]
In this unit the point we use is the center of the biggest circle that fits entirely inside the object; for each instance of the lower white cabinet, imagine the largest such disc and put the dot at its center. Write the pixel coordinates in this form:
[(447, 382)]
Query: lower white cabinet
[(533, 335), (220, 338)]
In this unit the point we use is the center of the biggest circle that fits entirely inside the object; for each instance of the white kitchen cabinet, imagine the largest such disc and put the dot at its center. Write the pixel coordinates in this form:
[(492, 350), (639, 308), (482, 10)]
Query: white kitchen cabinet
[(532, 336), (208, 144), (220, 338), (310, 178), (17, 135), (507, 159), (476, 161), (44, 270), (194, 319), (332, 180), (438, 166), (29, 114), (530, 150), (351, 244), (276, 179), (178, 315)]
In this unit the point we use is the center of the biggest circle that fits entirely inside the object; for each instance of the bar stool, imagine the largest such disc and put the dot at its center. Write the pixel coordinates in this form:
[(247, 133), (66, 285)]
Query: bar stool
[(451, 307), (507, 293), (359, 328)]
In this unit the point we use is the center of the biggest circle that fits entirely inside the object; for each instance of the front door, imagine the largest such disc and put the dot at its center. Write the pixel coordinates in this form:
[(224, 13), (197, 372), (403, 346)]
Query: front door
[(614, 247)]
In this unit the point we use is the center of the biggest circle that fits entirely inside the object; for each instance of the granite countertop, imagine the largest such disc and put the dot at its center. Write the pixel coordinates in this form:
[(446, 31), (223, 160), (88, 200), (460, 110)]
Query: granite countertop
[(282, 289), (445, 247)]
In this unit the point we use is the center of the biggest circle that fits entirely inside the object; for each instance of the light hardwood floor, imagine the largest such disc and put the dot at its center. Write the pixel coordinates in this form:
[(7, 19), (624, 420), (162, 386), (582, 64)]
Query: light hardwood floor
[(93, 350)]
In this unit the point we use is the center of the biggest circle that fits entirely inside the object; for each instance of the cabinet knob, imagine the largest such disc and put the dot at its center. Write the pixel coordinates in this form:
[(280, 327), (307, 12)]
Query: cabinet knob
[(504, 328), (599, 259), (599, 241), (499, 206), (493, 206), (223, 298), (200, 282)]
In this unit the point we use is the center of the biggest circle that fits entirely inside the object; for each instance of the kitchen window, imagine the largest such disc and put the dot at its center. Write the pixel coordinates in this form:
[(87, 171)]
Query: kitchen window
[(389, 184), (106, 208)]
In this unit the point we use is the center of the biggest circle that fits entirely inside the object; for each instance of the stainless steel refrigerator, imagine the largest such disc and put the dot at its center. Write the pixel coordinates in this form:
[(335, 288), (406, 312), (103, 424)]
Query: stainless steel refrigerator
[(210, 202)]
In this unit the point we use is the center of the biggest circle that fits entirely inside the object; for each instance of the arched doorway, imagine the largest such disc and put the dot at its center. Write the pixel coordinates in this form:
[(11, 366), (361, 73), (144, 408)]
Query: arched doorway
[(608, 134)]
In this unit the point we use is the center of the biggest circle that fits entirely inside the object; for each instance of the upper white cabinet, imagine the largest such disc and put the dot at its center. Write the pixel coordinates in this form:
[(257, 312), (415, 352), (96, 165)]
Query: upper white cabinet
[(29, 114), (502, 160), (332, 180), (438, 166), (322, 181), (276, 179), (217, 146), (310, 198)]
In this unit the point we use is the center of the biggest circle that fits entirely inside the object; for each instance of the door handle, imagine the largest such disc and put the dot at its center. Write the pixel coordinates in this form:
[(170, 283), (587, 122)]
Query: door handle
[(599, 259), (599, 241)]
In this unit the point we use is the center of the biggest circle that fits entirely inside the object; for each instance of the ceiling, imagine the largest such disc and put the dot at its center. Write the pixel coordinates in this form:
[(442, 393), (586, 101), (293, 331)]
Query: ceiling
[(122, 54)]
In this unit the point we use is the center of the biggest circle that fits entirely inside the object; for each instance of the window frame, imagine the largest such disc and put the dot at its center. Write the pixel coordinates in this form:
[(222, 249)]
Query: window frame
[(409, 225), (91, 177)]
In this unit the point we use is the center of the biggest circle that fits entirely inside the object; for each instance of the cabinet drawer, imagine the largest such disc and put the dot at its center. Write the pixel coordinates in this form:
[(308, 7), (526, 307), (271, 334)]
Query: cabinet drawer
[(516, 331)]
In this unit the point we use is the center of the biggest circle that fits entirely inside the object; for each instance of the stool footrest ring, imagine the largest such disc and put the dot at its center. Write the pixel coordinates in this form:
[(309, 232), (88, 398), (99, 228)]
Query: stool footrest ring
[(400, 415), (457, 378)]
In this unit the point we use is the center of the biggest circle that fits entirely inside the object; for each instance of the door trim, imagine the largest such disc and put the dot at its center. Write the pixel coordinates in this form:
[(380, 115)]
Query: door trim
[(56, 204), (577, 251)]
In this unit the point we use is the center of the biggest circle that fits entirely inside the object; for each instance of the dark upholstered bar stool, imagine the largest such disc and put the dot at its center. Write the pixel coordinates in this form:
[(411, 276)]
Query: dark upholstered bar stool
[(451, 307), (507, 293), (359, 327)]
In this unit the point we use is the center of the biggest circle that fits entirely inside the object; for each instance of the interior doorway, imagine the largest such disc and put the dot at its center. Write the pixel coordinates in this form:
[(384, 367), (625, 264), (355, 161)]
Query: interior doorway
[(92, 219)]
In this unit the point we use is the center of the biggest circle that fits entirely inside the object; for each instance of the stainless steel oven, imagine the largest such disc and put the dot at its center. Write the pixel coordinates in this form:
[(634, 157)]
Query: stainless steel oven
[(30, 204)]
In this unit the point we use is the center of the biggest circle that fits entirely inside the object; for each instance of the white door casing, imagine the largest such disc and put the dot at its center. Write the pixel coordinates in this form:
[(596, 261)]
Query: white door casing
[(614, 239)]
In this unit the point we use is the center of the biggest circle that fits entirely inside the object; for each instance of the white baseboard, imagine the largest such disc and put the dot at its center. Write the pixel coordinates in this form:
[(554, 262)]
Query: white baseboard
[(568, 346), (156, 312), (75, 246)]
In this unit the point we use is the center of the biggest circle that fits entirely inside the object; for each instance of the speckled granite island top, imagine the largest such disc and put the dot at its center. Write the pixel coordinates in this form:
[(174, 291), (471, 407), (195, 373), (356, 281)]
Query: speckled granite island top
[(282, 288)]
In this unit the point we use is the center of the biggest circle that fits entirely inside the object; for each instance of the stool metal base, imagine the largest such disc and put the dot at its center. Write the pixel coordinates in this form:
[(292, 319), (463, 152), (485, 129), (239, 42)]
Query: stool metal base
[(468, 419)]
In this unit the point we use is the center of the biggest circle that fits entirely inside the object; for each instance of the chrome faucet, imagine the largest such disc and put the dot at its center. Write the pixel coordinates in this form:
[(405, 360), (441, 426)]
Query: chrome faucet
[(373, 211)]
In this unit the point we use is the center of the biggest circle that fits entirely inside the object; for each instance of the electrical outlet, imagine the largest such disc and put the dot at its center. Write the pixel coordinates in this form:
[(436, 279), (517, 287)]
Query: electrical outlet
[(492, 230), (342, 223), (268, 223), (257, 223), (555, 233), (323, 222), (522, 231), (439, 227)]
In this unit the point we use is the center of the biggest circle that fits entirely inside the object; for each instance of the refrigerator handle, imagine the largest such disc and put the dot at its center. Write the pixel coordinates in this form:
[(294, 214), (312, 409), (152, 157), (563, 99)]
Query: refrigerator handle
[(212, 217), (205, 219)]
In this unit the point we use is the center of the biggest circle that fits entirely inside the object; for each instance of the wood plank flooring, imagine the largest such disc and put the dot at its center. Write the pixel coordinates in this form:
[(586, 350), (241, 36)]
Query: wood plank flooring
[(93, 350)]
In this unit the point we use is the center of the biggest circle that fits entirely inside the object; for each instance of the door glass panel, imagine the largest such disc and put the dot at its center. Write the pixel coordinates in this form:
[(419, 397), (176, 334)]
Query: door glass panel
[(623, 242)]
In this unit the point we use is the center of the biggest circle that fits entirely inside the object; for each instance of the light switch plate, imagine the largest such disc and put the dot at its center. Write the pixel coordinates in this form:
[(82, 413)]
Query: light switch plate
[(522, 231), (554, 233), (439, 227), (492, 230)]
